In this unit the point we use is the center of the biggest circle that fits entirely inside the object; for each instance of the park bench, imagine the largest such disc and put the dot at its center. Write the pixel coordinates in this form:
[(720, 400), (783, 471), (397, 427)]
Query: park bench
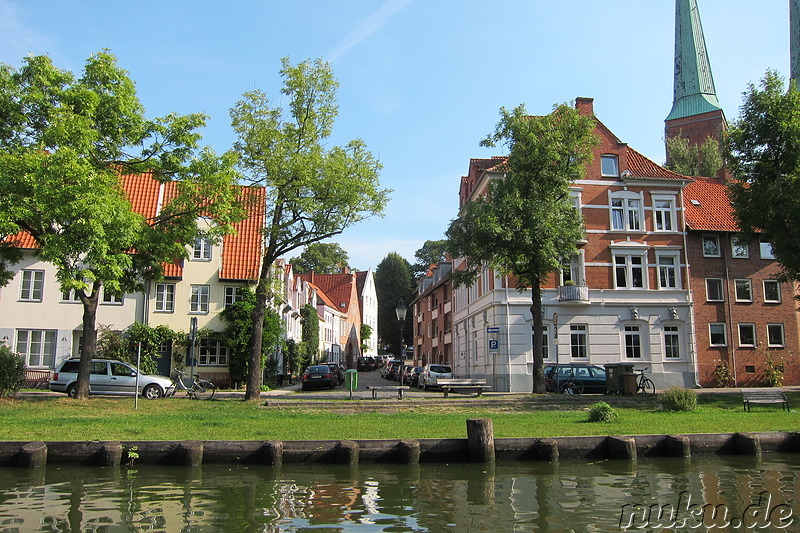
[(461, 384), (766, 396), (221, 380), (376, 390), (38, 379)]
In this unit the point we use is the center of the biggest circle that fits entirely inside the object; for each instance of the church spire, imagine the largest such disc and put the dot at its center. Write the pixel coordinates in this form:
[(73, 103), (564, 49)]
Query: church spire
[(794, 40), (694, 92)]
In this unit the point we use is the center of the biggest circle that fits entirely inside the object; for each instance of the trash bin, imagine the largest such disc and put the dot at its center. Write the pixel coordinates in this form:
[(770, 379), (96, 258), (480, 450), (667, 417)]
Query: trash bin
[(629, 383), (614, 373), (351, 379)]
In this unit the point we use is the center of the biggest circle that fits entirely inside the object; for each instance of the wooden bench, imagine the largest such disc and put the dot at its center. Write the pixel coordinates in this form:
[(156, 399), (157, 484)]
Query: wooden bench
[(375, 391), (766, 396), (221, 380), (454, 384), (38, 379)]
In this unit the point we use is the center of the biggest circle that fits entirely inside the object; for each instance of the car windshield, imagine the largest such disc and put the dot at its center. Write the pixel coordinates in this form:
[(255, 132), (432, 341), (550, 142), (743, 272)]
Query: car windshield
[(321, 369), (440, 369)]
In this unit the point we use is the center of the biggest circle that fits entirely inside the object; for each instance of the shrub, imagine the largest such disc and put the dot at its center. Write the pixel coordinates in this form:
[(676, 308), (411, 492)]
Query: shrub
[(602, 412), (678, 399), (12, 372)]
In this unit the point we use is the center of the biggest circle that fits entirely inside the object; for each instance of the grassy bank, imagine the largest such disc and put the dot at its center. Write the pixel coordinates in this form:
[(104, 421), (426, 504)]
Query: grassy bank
[(59, 418)]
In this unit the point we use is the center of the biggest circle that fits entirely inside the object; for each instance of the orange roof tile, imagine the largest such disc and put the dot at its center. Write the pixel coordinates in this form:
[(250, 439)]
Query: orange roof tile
[(642, 167), (339, 288), (708, 207), (241, 251)]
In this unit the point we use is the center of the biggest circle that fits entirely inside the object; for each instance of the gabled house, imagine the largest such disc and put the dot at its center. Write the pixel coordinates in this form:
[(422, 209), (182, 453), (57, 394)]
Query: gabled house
[(368, 301), (432, 316)]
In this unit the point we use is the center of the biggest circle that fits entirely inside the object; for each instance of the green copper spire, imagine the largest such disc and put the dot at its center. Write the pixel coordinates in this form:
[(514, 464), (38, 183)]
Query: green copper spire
[(694, 85), (794, 39)]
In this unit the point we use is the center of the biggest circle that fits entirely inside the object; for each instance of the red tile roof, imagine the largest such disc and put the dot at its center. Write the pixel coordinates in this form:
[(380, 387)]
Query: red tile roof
[(642, 167), (241, 251), (708, 207), (339, 288)]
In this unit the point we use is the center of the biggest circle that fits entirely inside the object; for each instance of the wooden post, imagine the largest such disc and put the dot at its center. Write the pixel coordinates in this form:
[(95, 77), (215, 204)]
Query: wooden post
[(409, 451), (33, 454), (480, 440), (190, 453), (110, 454), (548, 450), (273, 452), (347, 452)]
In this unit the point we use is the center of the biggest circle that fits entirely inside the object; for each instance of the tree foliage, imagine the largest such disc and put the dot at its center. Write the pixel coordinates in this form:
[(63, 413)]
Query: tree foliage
[(309, 352), (432, 252), (124, 345), (64, 142), (322, 258), (526, 223), (12, 372), (764, 156), (694, 160), (313, 192), (394, 283)]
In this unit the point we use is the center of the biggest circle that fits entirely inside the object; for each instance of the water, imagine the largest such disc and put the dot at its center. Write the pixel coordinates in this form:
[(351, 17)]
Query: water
[(519, 496)]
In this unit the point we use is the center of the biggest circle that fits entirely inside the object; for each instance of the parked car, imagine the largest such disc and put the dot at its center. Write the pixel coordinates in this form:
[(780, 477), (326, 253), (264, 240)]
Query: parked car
[(109, 376), (391, 369), (365, 364), (592, 377), (338, 371), (319, 377), (414, 376), (404, 374), (432, 373)]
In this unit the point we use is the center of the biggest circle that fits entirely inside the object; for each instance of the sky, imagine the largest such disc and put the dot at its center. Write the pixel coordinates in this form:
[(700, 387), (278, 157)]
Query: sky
[(421, 81)]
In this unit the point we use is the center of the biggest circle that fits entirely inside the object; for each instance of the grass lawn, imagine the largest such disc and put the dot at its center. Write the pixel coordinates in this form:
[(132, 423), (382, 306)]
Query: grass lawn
[(63, 419)]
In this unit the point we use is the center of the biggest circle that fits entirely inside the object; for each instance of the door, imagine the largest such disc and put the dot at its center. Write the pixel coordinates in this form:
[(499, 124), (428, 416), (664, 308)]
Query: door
[(122, 379), (99, 381)]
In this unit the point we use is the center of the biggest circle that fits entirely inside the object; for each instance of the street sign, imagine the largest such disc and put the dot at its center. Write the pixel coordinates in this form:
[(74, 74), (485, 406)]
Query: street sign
[(493, 330), (494, 345)]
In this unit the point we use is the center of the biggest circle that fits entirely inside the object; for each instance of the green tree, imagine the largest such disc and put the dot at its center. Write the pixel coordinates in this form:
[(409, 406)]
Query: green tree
[(763, 148), (64, 143), (313, 192), (527, 223), (238, 331), (365, 334), (12, 372), (309, 335), (321, 257), (694, 160), (394, 284), (431, 252)]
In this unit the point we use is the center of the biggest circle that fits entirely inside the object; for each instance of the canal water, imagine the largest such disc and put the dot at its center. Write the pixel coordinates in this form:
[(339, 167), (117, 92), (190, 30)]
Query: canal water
[(703, 493)]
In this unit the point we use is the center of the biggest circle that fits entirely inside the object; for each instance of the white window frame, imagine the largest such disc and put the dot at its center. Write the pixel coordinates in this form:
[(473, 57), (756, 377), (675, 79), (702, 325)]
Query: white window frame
[(109, 298), (741, 326), (664, 218), (31, 286), (613, 160), (777, 285), (625, 211), (44, 343), (740, 247), (711, 238), (233, 294), (721, 290), (165, 298), (579, 341), (200, 299), (572, 269), (629, 266), (202, 249), (744, 284), (776, 327), (632, 341), (720, 327), (672, 332), (212, 352), (663, 269), (765, 250), (70, 297), (545, 343)]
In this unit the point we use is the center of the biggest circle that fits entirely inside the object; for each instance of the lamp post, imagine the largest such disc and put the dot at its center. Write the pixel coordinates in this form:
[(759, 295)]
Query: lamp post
[(400, 311)]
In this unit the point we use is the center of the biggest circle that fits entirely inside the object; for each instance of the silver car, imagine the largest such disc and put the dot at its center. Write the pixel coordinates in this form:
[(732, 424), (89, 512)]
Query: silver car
[(109, 376), (431, 374)]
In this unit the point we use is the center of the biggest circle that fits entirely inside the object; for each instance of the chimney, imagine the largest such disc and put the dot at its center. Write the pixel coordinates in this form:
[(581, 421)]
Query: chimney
[(585, 106)]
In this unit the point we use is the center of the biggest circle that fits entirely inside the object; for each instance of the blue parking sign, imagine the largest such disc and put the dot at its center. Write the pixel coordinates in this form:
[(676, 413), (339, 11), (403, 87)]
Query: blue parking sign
[(494, 345)]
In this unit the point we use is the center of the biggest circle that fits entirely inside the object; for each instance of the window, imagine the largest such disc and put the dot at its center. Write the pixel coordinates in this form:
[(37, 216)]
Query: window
[(744, 290), (629, 271), (545, 343), (199, 300), (111, 298), (714, 290), (233, 294), (633, 342), (625, 213), (571, 270), (70, 296), (664, 214), (775, 336), (165, 297), (765, 248), (716, 335), (667, 272), (772, 291), (672, 342), (31, 286), (212, 352), (578, 341), (747, 335), (201, 250), (37, 347), (710, 245), (609, 165), (740, 248)]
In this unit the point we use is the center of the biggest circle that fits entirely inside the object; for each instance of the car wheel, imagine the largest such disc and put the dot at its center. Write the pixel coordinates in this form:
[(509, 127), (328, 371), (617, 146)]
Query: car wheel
[(72, 390), (152, 392)]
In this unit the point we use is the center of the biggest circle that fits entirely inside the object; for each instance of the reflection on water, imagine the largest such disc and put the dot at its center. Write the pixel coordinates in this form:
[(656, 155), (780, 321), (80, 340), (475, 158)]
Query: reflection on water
[(520, 496)]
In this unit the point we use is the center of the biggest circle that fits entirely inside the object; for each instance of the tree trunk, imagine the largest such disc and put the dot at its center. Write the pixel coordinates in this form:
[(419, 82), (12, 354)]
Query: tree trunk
[(538, 335), (88, 340), (253, 391)]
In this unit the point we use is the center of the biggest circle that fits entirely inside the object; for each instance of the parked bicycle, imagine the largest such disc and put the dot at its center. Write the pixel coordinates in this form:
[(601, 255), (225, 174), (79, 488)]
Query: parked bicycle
[(645, 384), (569, 386), (200, 389)]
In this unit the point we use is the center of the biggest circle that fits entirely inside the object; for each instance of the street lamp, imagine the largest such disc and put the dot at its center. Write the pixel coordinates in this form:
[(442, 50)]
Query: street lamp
[(400, 311)]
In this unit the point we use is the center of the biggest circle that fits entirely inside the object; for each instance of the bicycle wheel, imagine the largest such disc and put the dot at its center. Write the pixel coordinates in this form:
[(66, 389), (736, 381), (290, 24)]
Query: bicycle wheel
[(203, 390), (648, 387), (572, 386)]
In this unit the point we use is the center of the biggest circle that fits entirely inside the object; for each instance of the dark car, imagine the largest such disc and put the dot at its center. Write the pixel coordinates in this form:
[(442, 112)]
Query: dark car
[(391, 369), (338, 370), (319, 377), (404, 374), (365, 364), (413, 378), (592, 377)]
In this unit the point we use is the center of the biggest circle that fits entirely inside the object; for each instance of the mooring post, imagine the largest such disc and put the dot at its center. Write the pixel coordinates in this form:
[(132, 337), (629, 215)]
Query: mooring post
[(747, 444), (678, 446), (33, 454), (190, 453), (347, 452), (621, 447), (110, 454), (480, 440), (409, 451), (548, 449), (273, 452)]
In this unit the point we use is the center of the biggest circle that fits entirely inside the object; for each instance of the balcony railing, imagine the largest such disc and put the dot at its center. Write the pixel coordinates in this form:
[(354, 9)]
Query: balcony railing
[(573, 293)]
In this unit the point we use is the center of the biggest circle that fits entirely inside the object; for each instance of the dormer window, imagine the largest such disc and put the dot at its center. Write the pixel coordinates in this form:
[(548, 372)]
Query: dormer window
[(201, 250), (609, 165)]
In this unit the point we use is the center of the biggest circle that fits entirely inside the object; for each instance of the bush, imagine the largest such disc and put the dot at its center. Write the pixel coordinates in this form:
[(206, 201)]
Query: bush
[(602, 412), (12, 372), (678, 399)]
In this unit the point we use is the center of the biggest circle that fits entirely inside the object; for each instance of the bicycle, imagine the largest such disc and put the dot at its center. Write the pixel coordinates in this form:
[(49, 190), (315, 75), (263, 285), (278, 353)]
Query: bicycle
[(200, 389), (644, 383), (571, 386)]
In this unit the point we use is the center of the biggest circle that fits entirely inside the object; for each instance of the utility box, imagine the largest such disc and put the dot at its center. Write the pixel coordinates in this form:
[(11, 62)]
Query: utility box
[(351, 379), (629, 383), (614, 372)]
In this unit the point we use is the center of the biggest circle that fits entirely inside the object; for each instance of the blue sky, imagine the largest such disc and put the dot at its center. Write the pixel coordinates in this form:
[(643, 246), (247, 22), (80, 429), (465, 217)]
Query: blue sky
[(422, 81)]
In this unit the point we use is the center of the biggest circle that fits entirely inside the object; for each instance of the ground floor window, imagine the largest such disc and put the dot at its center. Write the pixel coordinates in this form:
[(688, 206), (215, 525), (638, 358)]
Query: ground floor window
[(37, 347), (578, 341), (212, 352), (775, 336), (633, 342), (672, 342)]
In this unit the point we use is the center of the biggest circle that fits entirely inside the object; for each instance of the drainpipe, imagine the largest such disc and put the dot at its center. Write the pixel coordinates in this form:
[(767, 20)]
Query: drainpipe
[(508, 337), (692, 333), (729, 321)]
